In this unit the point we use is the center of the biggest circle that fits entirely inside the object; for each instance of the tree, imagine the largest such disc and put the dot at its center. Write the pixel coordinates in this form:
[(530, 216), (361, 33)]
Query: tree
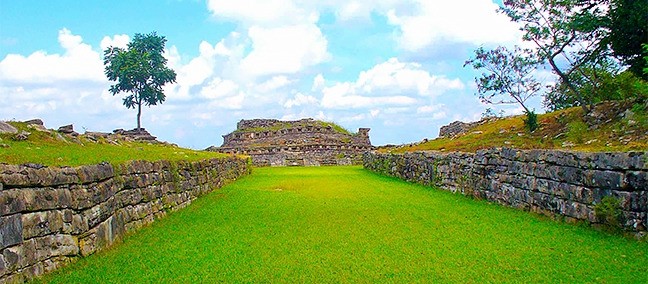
[(567, 34), (507, 78), (140, 70), (596, 82), (628, 21)]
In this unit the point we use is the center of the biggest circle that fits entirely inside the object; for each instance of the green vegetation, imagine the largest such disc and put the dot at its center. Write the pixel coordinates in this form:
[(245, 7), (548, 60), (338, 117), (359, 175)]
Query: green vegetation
[(507, 78), (293, 124), (587, 45), (608, 211), (140, 71), (345, 224), (621, 126), (53, 149)]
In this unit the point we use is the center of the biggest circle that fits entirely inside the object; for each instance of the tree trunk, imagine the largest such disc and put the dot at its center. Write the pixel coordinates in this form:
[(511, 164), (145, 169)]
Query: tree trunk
[(139, 115), (570, 85)]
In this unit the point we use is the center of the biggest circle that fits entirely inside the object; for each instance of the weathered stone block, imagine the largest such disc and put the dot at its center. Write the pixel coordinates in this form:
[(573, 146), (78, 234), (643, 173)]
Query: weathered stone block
[(11, 201), (604, 179), (636, 180), (42, 223), (4, 270), (47, 198), (11, 230), (95, 173)]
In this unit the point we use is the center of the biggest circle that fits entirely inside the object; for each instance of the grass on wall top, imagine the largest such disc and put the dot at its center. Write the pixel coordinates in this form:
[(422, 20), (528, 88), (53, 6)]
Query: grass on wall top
[(293, 124), (53, 149), (567, 129)]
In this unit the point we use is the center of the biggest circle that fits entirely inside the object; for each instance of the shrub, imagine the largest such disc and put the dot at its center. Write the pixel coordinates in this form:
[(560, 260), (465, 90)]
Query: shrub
[(608, 212), (531, 121)]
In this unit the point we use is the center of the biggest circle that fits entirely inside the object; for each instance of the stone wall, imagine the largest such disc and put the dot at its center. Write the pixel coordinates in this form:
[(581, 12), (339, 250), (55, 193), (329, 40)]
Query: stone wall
[(50, 216), (555, 183)]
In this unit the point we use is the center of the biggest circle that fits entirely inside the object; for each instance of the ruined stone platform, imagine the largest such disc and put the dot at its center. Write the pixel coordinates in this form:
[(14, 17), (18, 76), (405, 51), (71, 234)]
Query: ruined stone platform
[(306, 142)]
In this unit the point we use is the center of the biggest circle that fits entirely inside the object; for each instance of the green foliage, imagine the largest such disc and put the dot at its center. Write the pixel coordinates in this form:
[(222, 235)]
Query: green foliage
[(566, 31), (531, 121), (608, 212), (140, 70), (628, 32), (490, 113), (345, 224), (645, 52), (608, 85), (507, 76)]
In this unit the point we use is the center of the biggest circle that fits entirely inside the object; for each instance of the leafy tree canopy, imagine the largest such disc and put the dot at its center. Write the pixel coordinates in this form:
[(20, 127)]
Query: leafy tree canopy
[(140, 71), (628, 21)]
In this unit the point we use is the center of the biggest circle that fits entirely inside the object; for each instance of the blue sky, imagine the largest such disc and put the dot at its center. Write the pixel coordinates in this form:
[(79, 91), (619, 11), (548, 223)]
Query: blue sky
[(393, 65)]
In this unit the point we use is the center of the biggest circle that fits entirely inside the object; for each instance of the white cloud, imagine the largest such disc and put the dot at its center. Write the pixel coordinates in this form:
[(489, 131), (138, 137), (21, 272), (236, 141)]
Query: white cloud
[(120, 41), (285, 50), (218, 88), (393, 76), (300, 100), (79, 62), (318, 82), (436, 22), (273, 83), (267, 12), (391, 83)]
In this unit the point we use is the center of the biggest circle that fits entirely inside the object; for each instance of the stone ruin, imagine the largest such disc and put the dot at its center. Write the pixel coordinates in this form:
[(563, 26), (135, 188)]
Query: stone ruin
[(306, 142), (67, 131)]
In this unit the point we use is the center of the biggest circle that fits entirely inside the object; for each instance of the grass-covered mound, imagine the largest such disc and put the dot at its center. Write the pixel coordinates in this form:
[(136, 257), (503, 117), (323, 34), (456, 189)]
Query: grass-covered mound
[(612, 126), (278, 125), (345, 224), (51, 148)]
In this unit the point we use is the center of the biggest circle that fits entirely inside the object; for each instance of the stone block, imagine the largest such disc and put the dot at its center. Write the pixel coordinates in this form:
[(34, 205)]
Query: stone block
[(4, 270), (11, 202), (604, 179), (95, 173), (636, 180), (619, 161), (12, 257), (37, 224), (88, 243), (632, 201), (11, 230), (47, 198)]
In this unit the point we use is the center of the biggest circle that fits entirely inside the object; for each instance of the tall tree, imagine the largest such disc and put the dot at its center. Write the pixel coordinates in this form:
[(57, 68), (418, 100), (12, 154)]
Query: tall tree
[(628, 31), (507, 78), (140, 71), (567, 35)]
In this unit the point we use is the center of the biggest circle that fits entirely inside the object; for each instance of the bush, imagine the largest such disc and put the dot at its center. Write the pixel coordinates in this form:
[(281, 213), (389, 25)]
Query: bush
[(608, 212), (531, 121)]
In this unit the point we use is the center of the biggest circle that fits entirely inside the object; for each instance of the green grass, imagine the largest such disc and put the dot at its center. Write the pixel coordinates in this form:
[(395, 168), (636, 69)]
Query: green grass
[(345, 224), (294, 124), (564, 129), (52, 150)]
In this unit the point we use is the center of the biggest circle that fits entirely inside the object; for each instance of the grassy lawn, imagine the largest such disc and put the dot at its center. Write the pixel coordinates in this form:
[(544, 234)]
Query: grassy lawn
[(345, 224)]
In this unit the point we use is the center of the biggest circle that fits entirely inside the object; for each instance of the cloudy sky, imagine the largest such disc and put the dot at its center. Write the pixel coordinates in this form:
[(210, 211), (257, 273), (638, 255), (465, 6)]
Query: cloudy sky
[(393, 65)]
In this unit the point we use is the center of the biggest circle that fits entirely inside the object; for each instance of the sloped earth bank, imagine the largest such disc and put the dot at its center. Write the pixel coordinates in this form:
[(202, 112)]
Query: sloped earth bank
[(346, 224)]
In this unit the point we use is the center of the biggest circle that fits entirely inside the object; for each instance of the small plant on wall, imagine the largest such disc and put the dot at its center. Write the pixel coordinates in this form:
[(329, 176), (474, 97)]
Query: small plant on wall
[(608, 212)]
